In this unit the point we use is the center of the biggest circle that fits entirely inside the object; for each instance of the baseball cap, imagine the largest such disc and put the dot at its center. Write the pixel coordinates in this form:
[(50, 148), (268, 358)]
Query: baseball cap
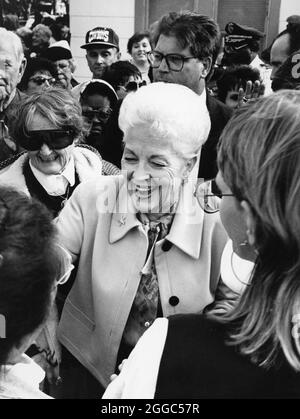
[(101, 36), (58, 51)]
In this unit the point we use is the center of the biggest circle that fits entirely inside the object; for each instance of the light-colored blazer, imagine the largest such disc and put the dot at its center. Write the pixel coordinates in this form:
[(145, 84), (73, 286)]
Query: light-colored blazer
[(98, 225)]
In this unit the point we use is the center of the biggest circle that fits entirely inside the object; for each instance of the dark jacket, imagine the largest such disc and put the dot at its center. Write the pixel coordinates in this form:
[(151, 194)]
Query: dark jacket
[(197, 363), (7, 116), (219, 116)]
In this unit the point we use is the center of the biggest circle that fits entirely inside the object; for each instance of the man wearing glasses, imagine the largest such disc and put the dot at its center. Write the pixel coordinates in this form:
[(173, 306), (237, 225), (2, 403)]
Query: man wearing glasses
[(186, 47), (12, 66)]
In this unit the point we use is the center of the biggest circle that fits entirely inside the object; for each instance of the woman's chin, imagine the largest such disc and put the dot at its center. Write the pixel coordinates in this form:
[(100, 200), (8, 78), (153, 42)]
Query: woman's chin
[(50, 168)]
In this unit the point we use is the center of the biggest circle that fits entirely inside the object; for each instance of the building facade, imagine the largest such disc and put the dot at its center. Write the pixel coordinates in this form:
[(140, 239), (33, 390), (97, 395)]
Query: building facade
[(128, 16)]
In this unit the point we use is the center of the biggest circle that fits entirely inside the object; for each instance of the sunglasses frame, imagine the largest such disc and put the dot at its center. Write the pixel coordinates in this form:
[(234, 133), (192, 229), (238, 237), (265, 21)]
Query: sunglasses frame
[(37, 138)]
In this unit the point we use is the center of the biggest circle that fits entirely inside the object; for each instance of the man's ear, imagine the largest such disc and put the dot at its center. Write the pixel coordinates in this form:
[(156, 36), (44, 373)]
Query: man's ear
[(119, 55), (250, 222), (22, 69), (207, 63)]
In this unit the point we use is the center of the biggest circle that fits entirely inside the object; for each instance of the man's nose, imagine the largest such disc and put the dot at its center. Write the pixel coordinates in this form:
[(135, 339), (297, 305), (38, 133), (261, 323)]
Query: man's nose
[(163, 65), (100, 59), (273, 72)]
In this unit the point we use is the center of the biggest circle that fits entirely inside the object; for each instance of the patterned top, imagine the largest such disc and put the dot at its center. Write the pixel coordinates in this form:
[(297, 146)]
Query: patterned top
[(146, 305)]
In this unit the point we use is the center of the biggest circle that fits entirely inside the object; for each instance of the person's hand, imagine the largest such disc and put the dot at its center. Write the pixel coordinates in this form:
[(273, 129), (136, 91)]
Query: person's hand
[(252, 92)]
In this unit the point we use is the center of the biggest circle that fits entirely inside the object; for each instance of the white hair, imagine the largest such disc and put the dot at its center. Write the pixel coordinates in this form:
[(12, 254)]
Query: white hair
[(10, 38), (172, 112)]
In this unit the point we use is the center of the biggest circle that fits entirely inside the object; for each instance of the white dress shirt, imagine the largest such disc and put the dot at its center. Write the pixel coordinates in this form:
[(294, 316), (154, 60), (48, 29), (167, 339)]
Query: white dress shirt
[(56, 184)]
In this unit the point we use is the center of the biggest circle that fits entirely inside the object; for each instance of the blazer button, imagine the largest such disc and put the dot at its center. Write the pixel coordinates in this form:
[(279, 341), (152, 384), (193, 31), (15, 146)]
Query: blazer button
[(173, 301)]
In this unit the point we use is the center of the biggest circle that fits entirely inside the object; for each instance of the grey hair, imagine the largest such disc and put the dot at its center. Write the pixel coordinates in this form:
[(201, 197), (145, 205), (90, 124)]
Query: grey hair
[(10, 38), (172, 112)]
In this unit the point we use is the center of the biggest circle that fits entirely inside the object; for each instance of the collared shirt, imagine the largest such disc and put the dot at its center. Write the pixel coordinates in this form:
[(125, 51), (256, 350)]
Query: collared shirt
[(56, 184)]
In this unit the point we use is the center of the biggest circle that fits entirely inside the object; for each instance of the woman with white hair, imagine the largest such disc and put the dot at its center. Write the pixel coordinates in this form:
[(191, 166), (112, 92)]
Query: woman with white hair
[(146, 247), (252, 349)]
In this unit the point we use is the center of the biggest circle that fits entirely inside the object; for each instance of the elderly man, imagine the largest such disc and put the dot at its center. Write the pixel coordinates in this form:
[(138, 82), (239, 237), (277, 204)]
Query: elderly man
[(186, 46), (60, 54), (12, 66)]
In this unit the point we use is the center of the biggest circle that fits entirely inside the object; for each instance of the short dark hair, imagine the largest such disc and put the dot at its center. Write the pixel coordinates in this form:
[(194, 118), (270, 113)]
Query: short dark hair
[(199, 32), (29, 266), (34, 65), (137, 37), (235, 77), (118, 73)]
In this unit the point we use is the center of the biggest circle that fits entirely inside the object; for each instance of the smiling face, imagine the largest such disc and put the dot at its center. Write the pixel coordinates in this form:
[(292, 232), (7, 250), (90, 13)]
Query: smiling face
[(193, 72), (47, 160), (99, 59), (139, 51), (154, 171)]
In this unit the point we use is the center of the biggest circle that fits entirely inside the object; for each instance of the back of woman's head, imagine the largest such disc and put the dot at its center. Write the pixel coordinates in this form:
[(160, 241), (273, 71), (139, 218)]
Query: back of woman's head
[(29, 265), (54, 104), (259, 158)]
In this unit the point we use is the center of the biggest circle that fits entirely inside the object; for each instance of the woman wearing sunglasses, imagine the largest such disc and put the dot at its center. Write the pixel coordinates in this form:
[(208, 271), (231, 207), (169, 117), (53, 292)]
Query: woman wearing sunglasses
[(30, 261), (48, 126), (39, 74), (251, 350)]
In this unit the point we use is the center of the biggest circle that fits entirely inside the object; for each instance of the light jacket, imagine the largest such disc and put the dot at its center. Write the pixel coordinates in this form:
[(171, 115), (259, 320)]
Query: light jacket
[(99, 226)]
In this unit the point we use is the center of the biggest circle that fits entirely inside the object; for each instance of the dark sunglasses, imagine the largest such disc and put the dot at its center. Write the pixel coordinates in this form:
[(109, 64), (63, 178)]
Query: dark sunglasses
[(101, 115), (54, 138), (39, 80), (132, 86)]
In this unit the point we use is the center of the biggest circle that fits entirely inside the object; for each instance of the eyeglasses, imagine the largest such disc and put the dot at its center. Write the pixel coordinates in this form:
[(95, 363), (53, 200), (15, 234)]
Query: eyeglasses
[(90, 114), (209, 196), (39, 80), (175, 62), (66, 265), (54, 138), (133, 86)]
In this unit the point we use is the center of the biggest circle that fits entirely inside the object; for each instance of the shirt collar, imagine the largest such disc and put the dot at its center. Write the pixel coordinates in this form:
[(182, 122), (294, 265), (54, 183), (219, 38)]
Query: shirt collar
[(56, 184), (186, 229)]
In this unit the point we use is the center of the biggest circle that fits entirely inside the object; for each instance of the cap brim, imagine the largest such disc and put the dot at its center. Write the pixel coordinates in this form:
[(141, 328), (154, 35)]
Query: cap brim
[(102, 44)]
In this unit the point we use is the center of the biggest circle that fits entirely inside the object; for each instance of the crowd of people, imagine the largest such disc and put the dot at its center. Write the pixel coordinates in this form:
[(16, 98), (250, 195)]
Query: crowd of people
[(150, 216)]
